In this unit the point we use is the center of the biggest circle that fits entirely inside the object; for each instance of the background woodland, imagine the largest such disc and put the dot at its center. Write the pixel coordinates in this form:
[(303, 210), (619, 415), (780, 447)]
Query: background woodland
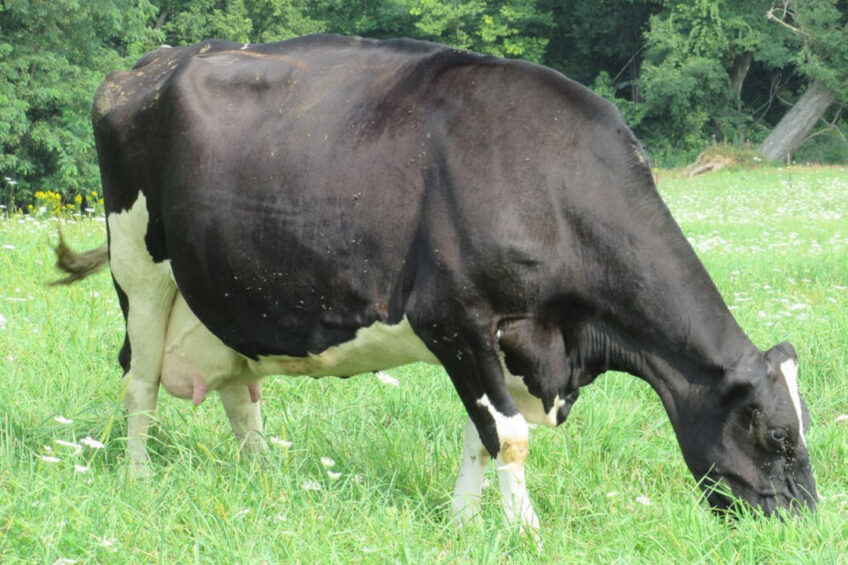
[(766, 78)]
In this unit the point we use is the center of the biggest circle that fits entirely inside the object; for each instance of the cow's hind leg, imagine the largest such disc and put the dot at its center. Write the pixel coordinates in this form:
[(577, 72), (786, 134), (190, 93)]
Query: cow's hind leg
[(241, 403), (146, 322), (147, 294)]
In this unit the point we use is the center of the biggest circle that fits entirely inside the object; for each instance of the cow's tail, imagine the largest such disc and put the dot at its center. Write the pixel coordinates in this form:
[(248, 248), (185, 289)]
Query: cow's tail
[(78, 265)]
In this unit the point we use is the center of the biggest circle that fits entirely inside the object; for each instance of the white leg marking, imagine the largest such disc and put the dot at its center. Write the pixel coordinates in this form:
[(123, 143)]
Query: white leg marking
[(514, 495), (150, 293), (510, 428), (465, 504), (245, 418), (789, 370), (514, 437)]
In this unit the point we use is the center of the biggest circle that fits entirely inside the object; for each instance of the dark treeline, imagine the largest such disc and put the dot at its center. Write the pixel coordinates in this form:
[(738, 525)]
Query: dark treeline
[(767, 74)]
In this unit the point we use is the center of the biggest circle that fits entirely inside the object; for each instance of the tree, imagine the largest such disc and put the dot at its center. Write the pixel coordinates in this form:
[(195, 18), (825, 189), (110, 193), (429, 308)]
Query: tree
[(254, 21), (54, 54), (380, 19), (512, 28), (823, 28), (698, 56), (591, 37)]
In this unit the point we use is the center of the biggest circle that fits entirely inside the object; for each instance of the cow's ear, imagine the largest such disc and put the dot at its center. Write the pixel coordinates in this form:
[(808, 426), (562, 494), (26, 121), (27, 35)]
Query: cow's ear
[(780, 354)]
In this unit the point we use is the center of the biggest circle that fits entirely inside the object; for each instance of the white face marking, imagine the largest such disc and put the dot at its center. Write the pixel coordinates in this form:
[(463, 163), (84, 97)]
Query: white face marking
[(789, 370)]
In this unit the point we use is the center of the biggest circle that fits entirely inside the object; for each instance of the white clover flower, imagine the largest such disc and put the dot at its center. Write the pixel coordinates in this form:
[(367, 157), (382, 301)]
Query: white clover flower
[(92, 443), (81, 468), (62, 420), (387, 379), (310, 485), (333, 475), (327, 462), (612, 493), (50, 459), (104, 541), (841, 418), (70, 445), (280, 442), (64, 443), (642, 499)]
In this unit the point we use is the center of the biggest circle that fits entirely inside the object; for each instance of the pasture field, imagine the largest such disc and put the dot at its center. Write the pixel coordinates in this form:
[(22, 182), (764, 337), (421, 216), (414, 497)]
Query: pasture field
[(609, 486)]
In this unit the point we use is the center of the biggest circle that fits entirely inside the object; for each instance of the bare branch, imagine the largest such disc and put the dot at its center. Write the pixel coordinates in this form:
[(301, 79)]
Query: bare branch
[(770, 15)]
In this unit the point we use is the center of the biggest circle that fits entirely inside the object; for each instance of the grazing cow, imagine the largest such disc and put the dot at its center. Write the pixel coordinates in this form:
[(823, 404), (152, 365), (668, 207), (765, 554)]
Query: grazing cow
[(333, 206)]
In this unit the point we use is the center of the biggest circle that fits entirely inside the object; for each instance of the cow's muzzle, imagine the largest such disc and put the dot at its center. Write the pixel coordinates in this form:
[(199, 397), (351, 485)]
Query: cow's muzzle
[(728, 497)]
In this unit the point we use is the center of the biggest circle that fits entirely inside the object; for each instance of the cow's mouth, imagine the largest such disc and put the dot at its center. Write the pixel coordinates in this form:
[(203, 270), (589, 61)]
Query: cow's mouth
[(728, 495)]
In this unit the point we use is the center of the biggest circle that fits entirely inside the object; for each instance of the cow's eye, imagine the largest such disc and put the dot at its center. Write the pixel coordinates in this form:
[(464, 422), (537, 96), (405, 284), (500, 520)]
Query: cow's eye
[(778, 437)]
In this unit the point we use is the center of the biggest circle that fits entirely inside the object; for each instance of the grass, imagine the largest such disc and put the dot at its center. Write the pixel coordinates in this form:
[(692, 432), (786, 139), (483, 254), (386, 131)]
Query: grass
[(774, 240)]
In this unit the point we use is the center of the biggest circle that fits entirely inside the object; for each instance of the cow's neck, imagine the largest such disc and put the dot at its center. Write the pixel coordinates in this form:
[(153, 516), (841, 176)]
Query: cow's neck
[(658, 315)]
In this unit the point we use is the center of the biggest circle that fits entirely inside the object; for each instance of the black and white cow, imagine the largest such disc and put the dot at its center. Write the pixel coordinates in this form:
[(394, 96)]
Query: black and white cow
[(333, 206)]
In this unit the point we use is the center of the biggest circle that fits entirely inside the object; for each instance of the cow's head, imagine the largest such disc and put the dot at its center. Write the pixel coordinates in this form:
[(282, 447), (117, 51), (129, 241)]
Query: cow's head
[(747, 437)]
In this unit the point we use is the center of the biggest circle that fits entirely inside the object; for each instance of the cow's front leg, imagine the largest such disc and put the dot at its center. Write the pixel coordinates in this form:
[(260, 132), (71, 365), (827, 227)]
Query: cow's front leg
[(465, 504), (471, 359), (514, 440), (514, 495), (241, 403)]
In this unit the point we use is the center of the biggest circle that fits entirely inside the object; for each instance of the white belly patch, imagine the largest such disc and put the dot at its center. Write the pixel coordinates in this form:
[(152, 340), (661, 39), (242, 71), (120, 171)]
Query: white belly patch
[(379, 346), (193, 354)]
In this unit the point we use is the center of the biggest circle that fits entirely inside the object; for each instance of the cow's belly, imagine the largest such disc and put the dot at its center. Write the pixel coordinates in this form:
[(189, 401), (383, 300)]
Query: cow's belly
[(378, 346), (194, 356)]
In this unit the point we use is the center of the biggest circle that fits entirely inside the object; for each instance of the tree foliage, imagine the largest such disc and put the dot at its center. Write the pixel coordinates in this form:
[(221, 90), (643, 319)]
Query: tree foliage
[(54, 54), (684, 73)]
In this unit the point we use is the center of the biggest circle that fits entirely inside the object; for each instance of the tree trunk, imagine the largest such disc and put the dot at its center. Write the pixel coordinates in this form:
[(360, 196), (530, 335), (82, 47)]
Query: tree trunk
[(635, 65), (790, 132), (740, 71)]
